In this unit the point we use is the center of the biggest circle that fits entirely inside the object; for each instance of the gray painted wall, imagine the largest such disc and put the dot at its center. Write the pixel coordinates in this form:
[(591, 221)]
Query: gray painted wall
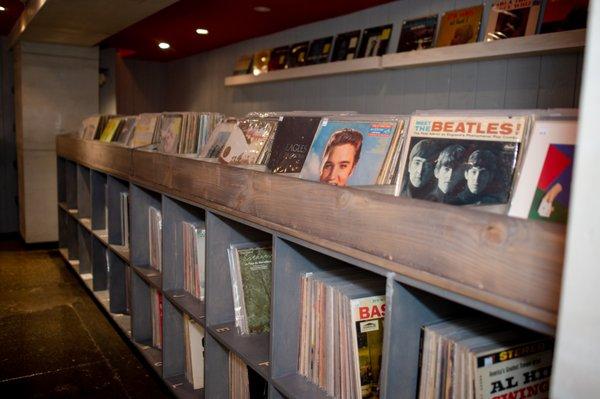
[(196, 82)]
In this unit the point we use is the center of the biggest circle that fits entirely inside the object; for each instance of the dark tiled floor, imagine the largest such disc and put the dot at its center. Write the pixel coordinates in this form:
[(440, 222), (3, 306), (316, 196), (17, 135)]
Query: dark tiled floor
[(54, 341)]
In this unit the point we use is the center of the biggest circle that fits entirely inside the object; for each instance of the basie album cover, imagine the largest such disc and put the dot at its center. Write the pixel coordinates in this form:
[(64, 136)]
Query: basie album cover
[(459, 26), (544, 186), (350, 151), (279, 58), (417, 34), (291, 144), (561, 15), (319, 50), (374, 41), (297, 55), (345, 46), (461, 160), (512, 18)]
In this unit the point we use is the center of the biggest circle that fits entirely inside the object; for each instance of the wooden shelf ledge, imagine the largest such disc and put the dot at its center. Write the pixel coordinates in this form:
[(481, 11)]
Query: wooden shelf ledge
[(516, 47)]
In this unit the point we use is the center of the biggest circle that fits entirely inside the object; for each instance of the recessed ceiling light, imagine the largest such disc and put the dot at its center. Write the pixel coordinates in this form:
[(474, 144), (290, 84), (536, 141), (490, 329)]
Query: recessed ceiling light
[(202, 31), (2, 8), (262, 9), (164, 45)]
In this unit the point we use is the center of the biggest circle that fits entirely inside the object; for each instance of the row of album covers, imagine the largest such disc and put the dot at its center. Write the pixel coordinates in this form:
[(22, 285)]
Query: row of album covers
[(517, 162), (341, 318), (506, 19)]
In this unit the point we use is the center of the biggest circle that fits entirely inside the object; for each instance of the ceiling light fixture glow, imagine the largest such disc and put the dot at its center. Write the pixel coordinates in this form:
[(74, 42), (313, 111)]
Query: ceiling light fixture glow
[(164, 45), (2, 8), (262, 9), (202, 31)]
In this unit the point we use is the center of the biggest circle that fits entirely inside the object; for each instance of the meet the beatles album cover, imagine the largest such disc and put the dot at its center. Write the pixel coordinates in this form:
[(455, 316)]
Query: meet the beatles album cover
[(462, 160)]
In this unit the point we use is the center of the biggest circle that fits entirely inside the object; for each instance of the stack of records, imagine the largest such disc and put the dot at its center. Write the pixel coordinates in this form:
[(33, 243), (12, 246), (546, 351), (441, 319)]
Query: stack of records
[(250, 270), (185, 132), (124, 201), (250, 143), (194, 244), (355, 150), (145, 131), (111, 129), (341, 331), (218, 138), (462, 157), (156, 307), (194, 352), (90, 126), (481, 358), (155, 238), (125, 133), (171, 125), (245, 383)]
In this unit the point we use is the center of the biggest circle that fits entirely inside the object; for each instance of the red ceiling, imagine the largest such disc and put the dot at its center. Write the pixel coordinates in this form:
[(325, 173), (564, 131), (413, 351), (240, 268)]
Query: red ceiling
[(228, 21), (14, 8)]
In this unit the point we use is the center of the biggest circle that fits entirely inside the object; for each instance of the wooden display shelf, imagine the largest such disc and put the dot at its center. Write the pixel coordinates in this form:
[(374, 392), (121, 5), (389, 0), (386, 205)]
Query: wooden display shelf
[(106, 157), (330, 68), (501, 265), (121, 250), (188, 304), (182, 388), (150, 275), (101, 235), (152, 355), (516, 47)]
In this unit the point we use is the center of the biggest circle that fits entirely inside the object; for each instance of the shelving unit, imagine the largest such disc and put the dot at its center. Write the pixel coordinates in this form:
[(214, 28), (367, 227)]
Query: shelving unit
[(516, 47), (508, 268)]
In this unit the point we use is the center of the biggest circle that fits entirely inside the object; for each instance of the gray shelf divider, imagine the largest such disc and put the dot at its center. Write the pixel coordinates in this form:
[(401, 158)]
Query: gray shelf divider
[(173, 340), (61, 185), (98, 200), (216, 372), (99, 265), (140, 200), (84, 202), (188, 304), (71, 184), (63, 228), (72, 237), (141, 312), (114, 188), (84, 242)]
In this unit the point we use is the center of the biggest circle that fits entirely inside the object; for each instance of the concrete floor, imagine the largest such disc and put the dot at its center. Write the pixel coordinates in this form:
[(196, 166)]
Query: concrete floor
[(55, 341)]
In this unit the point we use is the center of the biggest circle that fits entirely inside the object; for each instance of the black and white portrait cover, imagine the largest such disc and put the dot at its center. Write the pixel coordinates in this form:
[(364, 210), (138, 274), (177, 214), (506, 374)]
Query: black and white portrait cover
[(462, 160), (292, 141)]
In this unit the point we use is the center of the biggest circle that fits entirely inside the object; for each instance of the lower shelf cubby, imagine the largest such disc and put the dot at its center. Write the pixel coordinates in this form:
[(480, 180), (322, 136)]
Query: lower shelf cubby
[(72, 238), (84, 243), (142, 319), (99, 265), (118, 287)]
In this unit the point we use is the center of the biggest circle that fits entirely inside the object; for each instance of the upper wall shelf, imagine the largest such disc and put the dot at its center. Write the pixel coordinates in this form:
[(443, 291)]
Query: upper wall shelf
[(517, 47)]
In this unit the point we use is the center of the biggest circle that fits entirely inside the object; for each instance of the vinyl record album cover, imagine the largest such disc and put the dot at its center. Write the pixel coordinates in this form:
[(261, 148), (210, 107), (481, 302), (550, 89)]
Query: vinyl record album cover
[(298, 54), (544, 187), (246, 148), (111, 129), (346, 45), (561, 15), (459, 26), (512, 18), (319, 50), (462, 160), (260, 62), (243, 65), (349, 151), (418, 34), (374, 41), (279, 58), (218, 138), (291, 144), (170, 130), (145, 126)]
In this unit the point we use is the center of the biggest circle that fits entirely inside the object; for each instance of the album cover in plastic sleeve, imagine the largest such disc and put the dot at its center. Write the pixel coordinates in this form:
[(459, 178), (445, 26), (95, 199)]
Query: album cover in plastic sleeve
[(170, 131), (292, 141), (145, 126), (298, 54), (279, 58), (346, 45), (350, 151), (112, 127), (543, 189), (218, 138), (260, 61), (462, 160), (418, 33), (246, 145), (561, 15), (374, 41), (319, 51), (459, 26), (243, 65), (512, 18)]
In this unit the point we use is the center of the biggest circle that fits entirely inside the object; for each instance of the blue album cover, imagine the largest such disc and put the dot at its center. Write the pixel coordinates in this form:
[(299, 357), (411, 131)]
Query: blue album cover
[(349, 152)]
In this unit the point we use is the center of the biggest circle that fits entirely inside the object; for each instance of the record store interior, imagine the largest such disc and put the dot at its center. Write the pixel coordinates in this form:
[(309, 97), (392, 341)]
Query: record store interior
[(293, 199)]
